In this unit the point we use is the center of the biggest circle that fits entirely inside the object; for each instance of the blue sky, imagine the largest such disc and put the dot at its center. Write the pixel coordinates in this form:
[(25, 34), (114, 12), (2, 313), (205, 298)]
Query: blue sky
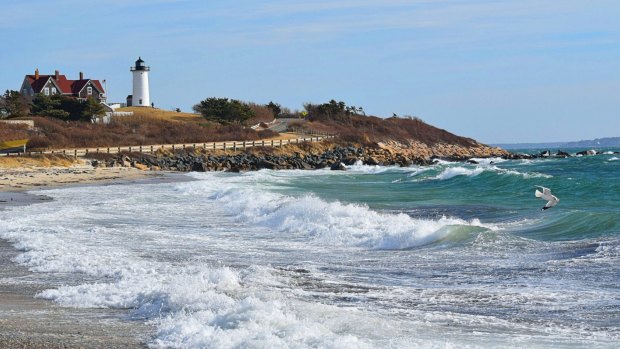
[(494, 70)]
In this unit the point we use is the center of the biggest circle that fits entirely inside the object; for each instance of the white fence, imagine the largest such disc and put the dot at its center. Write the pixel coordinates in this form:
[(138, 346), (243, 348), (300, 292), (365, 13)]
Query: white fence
[(234, 145)]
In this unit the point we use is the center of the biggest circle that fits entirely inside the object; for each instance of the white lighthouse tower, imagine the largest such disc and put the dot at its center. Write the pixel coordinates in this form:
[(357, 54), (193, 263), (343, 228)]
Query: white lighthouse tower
[(140, 96)]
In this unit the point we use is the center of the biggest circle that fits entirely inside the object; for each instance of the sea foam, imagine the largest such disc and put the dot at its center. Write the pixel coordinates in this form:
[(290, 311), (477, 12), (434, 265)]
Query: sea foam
[(191, 303), (450, 172), (314, 219)]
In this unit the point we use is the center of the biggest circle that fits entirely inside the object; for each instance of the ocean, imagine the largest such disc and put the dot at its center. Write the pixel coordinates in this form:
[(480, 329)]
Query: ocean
[(453, 255)]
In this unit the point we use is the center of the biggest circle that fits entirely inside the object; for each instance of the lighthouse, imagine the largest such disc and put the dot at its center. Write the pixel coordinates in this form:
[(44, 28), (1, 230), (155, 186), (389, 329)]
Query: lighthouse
[(140, 96)]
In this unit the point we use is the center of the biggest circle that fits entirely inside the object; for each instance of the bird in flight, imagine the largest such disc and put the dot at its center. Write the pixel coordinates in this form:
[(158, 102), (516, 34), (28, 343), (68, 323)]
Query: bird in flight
[(552, 200)]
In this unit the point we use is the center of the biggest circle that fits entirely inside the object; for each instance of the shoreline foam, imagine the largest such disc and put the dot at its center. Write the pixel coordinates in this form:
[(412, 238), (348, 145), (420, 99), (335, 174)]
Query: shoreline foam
[(29, 322)]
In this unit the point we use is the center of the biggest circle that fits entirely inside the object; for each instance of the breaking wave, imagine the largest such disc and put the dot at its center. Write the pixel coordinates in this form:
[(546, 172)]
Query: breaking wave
[(451, 172), (320, 221)]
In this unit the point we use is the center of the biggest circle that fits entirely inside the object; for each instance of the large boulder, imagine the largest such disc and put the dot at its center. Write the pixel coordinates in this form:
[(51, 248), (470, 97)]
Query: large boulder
[(262, 163), (199, 167), (350, 160), (587, 152), (371, 160), (140, 166), (338, 166)]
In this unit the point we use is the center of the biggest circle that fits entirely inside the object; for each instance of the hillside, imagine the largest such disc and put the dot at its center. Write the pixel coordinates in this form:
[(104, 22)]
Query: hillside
[(147, 126), (370, 130)]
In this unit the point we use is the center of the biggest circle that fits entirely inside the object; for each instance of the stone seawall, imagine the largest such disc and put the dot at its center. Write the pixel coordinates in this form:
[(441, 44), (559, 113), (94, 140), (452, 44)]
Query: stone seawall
[(306, 156)]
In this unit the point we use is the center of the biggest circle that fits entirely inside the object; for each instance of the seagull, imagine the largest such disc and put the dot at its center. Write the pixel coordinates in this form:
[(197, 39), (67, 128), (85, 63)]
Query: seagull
[(546, 195)]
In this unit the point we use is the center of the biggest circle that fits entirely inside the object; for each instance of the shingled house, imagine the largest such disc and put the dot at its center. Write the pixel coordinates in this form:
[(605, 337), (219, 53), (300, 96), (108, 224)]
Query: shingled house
[(57, 84)]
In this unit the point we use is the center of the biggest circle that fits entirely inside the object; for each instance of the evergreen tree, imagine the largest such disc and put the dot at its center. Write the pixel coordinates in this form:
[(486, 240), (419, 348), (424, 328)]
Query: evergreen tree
[(90, 108), (13, 105), (275, 109), (66, 108), (224, 111), (43, 105)]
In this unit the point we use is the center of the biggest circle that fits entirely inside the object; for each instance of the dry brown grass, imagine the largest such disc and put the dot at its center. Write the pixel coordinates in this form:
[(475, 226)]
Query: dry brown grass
[(12, 162), (261, 114), (162, 114), (133, 130), (11, 132), (371, 130)]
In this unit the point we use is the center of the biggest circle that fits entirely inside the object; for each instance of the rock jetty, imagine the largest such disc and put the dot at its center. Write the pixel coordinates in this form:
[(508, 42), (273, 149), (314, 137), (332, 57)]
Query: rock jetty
[(305, 156)]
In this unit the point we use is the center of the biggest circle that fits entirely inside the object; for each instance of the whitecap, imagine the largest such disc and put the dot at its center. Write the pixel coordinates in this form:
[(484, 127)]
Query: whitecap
[(452, 172), (488, 161), (333, 223)]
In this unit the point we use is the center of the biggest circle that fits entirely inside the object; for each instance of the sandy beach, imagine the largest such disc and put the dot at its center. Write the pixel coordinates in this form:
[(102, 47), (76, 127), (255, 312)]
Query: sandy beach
[(30, 177), (28, 322)]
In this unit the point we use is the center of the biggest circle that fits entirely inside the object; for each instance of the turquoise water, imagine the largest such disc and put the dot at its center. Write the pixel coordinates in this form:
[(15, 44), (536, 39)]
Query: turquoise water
[(588, 188), (443, 256)]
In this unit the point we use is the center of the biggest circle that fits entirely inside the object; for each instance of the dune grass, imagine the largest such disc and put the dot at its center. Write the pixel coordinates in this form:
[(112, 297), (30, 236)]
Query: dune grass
[(15, 162), (147, 127), (163, 114)]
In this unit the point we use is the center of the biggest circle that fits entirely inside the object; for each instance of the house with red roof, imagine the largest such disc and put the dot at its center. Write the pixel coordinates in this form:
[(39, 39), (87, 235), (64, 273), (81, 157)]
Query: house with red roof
[(58, 84)]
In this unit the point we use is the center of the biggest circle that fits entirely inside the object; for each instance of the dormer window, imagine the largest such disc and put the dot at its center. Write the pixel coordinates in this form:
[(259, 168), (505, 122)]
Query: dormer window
[(46, 91), (89, 90)]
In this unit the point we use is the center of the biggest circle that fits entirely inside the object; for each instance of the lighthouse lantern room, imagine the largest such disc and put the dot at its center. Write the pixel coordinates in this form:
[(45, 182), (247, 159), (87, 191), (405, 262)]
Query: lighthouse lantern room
[(140, 96)]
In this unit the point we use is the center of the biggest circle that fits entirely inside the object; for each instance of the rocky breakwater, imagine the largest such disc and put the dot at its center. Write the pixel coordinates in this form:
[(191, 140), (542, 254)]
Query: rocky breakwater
[(558, 154), (443, 151), (306, 156)]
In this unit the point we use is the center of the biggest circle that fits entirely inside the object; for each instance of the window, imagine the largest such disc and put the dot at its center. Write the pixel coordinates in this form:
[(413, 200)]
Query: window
[(46, 91), (141, 102), (89, 90), (25, 92), (53, 90)]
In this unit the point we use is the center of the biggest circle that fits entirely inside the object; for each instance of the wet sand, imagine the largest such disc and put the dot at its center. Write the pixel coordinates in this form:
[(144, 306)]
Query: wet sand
[(28, 322)]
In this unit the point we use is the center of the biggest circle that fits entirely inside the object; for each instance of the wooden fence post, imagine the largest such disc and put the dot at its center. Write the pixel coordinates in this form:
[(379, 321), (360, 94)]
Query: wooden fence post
[(235, 146)]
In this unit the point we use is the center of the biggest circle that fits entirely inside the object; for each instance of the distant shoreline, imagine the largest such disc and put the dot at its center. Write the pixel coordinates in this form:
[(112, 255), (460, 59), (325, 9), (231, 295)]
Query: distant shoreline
[(609, 142)]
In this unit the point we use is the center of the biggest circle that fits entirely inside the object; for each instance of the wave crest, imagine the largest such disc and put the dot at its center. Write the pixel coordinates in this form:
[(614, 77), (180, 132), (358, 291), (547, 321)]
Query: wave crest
[(334, 223)]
